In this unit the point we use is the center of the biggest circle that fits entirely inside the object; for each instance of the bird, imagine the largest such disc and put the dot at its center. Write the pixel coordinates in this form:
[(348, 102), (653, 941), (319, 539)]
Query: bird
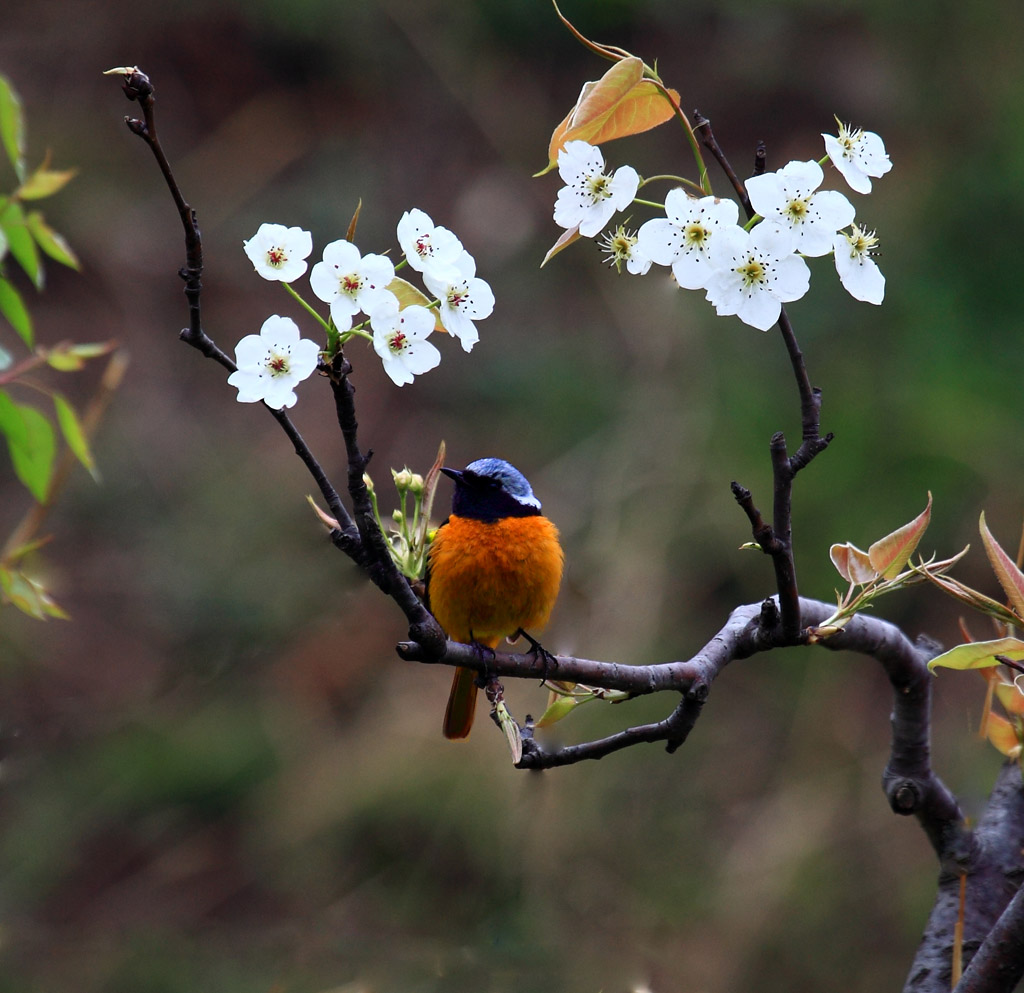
[(494, 570)]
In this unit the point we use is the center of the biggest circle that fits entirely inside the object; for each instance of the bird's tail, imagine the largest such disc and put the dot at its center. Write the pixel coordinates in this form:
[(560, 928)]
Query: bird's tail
[(458, 716)]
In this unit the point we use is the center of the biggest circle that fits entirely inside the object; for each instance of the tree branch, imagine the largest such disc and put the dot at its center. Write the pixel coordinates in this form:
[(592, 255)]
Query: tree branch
[(777, 541), (990, 858), (909, 781), (137, 87)]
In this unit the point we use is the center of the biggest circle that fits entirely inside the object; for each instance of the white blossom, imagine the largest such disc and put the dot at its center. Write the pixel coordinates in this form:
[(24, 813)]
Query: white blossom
[(788, 198), (590, 196), (858, 272), (425, 244), (399, 339), (755, 273), (350, 282), (464, 297), (271, 363), (683, 239), (858, 155), (277, 252)]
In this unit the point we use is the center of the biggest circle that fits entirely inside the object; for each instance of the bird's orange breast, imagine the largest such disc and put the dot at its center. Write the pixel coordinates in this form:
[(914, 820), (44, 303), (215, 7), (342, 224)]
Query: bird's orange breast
[(488, 579)]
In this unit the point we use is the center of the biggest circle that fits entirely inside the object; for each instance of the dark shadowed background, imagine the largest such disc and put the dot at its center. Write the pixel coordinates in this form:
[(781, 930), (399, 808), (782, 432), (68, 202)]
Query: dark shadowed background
[(219, 777)]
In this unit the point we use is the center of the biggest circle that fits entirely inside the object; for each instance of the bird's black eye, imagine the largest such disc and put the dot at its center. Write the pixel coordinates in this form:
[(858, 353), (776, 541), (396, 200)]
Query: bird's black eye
[(482, 482)]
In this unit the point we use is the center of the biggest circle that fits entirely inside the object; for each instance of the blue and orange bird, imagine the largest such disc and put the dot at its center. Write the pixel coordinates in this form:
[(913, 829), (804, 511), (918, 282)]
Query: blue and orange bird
[(494, 570)]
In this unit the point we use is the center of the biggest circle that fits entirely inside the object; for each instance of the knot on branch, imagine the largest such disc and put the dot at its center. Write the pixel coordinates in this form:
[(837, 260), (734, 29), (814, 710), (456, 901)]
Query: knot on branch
[(698, 691), (429, 638), (928, 646), (905, 795), (768, 618)]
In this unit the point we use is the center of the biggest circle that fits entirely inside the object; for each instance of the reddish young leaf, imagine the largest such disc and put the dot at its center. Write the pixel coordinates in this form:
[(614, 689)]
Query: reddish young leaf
[(1003, 734), (564, 241), (1010, 577), (890, 554), (618, 104), (853, 564), (1010, 696), (350, 235), (558, 707)]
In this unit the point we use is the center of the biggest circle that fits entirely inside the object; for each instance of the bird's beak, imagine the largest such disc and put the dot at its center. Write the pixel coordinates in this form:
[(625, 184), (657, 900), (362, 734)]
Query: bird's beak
[(455, 474)]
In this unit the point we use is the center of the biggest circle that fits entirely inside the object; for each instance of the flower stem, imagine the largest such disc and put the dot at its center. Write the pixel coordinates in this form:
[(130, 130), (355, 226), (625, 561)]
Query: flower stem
[(308, 308)]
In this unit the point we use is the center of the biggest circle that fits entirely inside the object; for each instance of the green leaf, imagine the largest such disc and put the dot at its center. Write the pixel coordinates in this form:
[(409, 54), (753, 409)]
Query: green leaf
[(63, 360), (1010, 577), (91, 350), (71, 427), (50, 241), (510, 729), (28, 595), (21, 243), (979, 654), (44, 183), (30, 546), (12, 127), (559, 707), (31, 442), (15, 311)]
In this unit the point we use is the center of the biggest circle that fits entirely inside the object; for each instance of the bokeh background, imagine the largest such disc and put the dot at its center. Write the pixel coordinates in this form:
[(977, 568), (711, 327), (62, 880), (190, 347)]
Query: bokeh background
[(218, 776)]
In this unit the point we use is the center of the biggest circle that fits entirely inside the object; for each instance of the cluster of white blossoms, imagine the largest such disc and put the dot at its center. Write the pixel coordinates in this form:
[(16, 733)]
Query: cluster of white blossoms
[(752, 270), (273, 362)]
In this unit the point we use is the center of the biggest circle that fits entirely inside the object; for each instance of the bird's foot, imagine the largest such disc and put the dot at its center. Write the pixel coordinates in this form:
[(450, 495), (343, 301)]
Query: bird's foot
[(538, 650)]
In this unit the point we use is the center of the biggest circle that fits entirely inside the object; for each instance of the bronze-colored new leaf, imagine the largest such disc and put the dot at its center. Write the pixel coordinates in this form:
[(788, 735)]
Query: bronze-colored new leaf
[(890, 554), (1010, 577), (565, 239), (408, 295), (853, 564), (622, 102), (1002, 733)]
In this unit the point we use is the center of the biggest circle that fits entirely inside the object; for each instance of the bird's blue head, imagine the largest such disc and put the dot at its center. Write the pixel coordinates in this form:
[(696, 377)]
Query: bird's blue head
[(490, 489)]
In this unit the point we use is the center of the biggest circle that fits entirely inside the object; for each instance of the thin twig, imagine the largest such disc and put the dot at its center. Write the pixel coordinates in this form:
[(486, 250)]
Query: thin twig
[(376, 557), (137, 87), (702, 127)]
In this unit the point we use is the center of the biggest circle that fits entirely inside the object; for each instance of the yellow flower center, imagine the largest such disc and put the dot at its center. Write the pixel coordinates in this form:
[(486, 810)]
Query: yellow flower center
[(751, 272), (798, 210), (597, 187), (696, 235)]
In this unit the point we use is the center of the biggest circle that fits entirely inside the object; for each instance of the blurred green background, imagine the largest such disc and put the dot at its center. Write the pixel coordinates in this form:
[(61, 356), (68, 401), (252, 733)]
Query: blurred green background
[(218, 776)]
